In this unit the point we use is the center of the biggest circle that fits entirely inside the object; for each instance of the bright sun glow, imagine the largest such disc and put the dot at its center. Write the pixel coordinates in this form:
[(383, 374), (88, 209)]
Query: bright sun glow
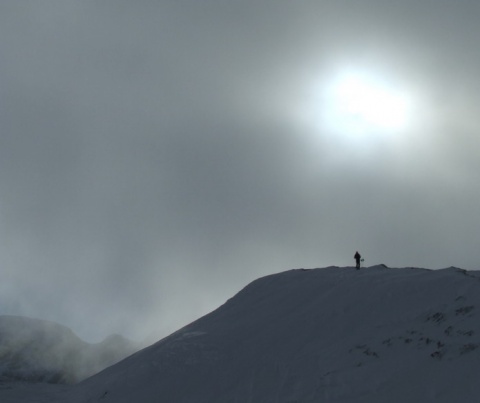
[(357, 103), (358, 107)]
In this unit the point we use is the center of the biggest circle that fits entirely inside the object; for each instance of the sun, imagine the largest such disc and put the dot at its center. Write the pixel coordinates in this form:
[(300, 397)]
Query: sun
[(357, 103)]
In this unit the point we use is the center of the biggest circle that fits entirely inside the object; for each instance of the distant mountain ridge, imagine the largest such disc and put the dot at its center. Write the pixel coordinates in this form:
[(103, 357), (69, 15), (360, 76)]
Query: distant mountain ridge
[(34, 350), (334, 335)]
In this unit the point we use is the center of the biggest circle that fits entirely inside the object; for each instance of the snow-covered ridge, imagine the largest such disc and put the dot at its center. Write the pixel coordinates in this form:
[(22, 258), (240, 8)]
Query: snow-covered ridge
[(333, 335), (324, 335), (34, 350)]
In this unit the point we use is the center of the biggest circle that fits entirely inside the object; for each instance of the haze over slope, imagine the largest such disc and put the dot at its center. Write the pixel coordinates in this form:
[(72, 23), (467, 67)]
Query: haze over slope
[(326, 335), (34, 350)]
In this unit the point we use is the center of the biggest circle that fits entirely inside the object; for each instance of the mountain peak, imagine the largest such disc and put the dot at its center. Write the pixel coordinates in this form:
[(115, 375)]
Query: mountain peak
[(335, 334)]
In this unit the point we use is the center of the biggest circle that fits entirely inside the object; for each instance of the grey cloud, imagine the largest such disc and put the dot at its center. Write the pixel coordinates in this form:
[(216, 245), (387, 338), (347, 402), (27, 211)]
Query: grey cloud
[(151, 164)]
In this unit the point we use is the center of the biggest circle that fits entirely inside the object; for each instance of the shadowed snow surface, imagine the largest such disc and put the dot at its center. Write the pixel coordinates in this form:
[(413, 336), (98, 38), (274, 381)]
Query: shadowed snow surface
[(323, 335)]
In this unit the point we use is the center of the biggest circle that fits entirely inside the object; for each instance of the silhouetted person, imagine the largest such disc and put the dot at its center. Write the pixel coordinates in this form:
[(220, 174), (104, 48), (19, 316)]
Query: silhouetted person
[(357, 258)]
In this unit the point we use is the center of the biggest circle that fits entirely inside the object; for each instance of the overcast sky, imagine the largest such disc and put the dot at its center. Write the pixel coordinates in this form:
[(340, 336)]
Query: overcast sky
[(156, 156)]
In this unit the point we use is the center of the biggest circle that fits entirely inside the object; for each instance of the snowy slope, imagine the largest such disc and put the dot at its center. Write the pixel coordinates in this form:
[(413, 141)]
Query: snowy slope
[(324, 335), (33, 350)]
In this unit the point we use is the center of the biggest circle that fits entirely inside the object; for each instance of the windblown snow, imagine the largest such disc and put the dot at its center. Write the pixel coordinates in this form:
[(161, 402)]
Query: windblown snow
[(324, 335)]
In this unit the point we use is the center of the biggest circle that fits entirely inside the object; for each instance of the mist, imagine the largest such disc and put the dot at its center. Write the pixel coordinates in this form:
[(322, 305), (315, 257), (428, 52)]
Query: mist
[(156, 157), (33, 350)]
